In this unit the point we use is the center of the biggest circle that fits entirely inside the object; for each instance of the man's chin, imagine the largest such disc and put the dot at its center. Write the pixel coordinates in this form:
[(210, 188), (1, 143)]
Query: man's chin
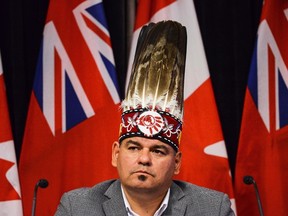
[(142, 182), (142, 178)]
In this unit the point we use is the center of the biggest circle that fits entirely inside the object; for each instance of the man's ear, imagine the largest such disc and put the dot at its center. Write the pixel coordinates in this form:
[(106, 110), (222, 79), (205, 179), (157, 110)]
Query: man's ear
[(178, 159), (115, 153)]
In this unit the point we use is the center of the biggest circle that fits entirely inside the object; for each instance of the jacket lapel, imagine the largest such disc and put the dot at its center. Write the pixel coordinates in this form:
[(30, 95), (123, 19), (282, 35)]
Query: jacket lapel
[(115, 205), (174, 206)]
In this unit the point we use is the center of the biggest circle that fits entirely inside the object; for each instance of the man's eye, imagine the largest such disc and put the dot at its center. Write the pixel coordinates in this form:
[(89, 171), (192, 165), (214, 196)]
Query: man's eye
[(133, 148), (160, 152)]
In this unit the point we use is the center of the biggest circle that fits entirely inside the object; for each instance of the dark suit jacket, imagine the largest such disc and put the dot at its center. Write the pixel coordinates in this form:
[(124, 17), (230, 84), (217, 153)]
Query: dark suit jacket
[(106, 199)]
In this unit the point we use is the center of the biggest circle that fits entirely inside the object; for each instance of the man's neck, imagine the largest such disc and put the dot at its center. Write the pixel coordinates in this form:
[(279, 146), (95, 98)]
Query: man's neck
[(144, 203)]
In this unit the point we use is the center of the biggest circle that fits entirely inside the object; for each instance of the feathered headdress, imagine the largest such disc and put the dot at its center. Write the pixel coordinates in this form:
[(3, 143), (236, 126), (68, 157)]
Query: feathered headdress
[(153, 106)]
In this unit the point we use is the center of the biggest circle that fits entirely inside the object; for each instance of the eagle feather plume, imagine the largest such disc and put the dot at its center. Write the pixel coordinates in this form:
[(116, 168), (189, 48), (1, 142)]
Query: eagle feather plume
[(157, 77)]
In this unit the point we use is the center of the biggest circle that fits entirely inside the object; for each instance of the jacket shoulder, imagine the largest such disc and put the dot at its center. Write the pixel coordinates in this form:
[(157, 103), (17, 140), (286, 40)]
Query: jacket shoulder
[(201, 200), (192, 189), (84, 201), (91, 192)]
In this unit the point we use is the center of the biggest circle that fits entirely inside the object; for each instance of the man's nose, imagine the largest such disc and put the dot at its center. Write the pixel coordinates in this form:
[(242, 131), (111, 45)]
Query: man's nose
[(145, 157)]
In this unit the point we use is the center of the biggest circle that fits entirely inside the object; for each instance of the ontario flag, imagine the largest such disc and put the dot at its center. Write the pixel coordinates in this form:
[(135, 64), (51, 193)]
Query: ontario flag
[(74, 106), (263, 145), (10, 195), (205, 160)]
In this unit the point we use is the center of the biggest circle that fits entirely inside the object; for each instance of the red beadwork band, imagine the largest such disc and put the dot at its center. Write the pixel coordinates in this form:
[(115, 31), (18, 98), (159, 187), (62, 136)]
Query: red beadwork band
[(151, 124)]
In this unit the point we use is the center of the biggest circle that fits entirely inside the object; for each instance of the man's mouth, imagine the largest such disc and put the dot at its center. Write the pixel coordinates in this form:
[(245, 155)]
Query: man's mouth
[(143, 173)]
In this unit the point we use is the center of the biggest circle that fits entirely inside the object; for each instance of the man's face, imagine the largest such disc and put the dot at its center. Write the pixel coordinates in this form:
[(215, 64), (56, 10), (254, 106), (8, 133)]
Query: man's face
[(145, 164)]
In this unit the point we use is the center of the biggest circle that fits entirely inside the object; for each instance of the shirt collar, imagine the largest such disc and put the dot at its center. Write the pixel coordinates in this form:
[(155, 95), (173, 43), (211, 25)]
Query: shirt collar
[(159, 211)]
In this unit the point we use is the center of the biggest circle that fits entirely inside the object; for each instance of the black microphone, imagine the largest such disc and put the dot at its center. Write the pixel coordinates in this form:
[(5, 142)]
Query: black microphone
[(250, 180), (42, 183)]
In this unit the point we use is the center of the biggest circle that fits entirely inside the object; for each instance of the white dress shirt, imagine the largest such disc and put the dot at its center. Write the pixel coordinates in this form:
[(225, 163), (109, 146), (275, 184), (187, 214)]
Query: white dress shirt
[(159, 211)]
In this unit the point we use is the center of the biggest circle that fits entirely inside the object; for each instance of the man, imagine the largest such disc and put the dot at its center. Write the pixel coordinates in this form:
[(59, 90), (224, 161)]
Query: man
[(147, 155)]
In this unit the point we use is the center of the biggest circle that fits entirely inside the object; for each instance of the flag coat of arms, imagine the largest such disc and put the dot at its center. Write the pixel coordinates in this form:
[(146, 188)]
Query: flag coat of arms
[(73, 115), (263, 144), (10, 195), (205, 160)]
